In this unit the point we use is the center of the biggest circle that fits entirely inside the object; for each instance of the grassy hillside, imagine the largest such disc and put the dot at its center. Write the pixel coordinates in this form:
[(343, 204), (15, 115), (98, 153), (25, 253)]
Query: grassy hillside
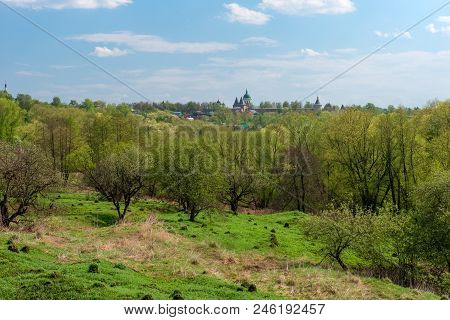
[(157, 251)]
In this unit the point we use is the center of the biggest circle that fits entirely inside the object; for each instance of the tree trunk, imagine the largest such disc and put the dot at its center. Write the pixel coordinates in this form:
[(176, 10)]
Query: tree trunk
[(119, 212), (4, 215), (125, 210), (341, 263), (234, 207), (302, 180)]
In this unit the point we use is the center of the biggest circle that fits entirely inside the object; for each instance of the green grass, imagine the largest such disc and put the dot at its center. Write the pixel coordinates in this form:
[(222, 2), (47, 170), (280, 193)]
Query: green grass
[(37, 275), (208, 259)]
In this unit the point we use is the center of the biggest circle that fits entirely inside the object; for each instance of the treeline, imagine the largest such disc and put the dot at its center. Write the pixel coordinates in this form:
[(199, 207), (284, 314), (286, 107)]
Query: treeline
[(26, 102), (377, 181)]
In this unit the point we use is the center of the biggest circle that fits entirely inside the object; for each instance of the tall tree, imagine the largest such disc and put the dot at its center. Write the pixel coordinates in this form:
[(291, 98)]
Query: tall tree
[(10, 118), (118, 176), (354, 147)]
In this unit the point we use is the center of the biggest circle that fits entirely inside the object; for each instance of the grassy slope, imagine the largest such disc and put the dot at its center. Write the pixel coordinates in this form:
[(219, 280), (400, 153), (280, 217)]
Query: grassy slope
[(158, 251)]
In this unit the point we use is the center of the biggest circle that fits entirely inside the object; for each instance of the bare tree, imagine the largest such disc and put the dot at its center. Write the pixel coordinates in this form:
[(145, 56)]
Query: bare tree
[(24, 174)]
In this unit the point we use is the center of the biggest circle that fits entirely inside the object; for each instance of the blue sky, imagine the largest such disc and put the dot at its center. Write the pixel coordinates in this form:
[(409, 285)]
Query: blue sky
[(200, 50)]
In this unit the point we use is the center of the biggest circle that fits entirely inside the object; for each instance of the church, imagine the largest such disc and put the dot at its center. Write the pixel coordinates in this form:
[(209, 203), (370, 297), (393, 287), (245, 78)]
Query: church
[(244, 104)]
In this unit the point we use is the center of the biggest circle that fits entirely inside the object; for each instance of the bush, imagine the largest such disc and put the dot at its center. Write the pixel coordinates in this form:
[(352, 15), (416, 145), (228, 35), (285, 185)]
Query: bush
[(120, 266), (252, 288), (273, 241), (93, 268), (176, 295), (338, 230), (25, 249)]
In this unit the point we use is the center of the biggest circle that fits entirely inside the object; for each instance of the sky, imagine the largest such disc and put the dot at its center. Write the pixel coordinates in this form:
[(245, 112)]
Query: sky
[(205, 50)]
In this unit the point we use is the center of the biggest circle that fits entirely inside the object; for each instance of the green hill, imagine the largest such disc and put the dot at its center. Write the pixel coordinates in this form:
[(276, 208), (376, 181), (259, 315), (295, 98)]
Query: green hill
[(77, 251)]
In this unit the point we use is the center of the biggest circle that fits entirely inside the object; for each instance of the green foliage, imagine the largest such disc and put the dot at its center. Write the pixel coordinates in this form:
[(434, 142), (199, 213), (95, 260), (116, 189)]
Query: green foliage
[(192, 178), (10, 118), (93, 268), (432, 220), (56, 102), (25, 101), (24, 174), (118, 177), (393, 164), (339, 231)]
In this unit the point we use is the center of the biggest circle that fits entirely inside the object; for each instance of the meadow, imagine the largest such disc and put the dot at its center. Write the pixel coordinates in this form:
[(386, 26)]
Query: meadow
[(79, 251)]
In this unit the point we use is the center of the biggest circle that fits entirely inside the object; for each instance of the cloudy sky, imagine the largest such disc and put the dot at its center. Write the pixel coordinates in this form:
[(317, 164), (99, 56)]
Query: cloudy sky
[(200, 50)]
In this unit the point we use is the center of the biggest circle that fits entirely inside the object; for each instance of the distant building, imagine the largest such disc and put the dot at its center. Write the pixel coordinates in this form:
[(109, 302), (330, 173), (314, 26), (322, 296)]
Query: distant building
[(244, 104), (316, 107)]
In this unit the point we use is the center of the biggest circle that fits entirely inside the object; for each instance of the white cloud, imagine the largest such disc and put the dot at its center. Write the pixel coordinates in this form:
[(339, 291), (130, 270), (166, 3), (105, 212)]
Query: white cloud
[(432, 28), (105, 52), (380, 34), (25, 73), (260, 41), (406, 35), (151, 43), (307, 7), (133, 71), (237, 13), (309, 52), (62, 67), (386, 78), (444, 19), (68, 4), (345, 50), (302, 53)]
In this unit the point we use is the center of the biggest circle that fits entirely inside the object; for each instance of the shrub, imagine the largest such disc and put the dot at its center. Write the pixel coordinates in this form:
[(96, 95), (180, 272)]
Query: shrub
[(338, 230), (176, 295), (273, 241), (252, 288), (120, 266), (25, 249), (93, 268)]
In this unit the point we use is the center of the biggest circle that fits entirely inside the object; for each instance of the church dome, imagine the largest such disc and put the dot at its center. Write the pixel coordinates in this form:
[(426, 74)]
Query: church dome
[(247, 96)]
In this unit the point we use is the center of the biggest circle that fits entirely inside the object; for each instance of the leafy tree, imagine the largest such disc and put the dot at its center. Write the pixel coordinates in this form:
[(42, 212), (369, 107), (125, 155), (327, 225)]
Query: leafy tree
[(338, 230), (56, 101), (10, 118), (301, 167), (118, 176), (58, 133), (238, 177), (87, 105), (432, 219), (25, 101), (99, 104), (6, 95), (24, 174), (398, 146), (353, 147), (191, 178)]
